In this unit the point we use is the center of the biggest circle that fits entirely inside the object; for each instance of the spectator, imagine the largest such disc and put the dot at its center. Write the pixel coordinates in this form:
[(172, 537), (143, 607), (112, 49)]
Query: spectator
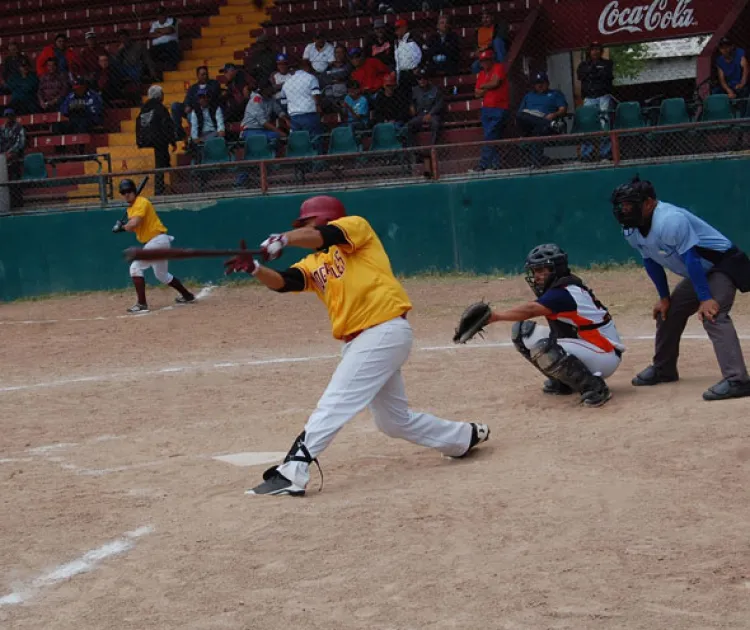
[(83, 108), (68, 61), (443, 49), (357, 108), (236, 92), (262, 62), (380, 44), (334, 81), (13, 144), (302, 94), (369, 72), (206, 119), (281, 76), (389, 107), (53, 87), (263, 116), (23, 90), (596, 76), (319, 53), (538, 112), (732, 67), (112, 83), (12, 61), (211, 87), (165, 41), (408, 56), (492, 88), (493, 36), (90, 56), (133, 59), (155, 128), (426, 106)]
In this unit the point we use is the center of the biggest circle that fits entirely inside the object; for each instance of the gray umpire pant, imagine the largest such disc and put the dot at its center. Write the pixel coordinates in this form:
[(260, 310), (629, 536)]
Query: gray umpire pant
[(683, 304)]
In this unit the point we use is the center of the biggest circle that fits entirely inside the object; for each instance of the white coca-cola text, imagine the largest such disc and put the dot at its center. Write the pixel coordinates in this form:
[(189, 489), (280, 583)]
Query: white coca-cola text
[(657, 16)]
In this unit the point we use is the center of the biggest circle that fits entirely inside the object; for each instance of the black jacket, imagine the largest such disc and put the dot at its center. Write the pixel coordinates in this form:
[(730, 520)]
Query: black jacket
[(449, 46), (596, 77), (154, 126)]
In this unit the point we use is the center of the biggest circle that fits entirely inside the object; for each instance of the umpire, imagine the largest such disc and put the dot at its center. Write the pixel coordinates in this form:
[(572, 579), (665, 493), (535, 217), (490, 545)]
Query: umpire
[(712, 269)]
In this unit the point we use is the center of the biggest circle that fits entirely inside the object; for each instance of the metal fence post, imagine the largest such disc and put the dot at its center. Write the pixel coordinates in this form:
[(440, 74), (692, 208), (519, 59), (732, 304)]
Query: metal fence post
[(4, 190), (103, 197)]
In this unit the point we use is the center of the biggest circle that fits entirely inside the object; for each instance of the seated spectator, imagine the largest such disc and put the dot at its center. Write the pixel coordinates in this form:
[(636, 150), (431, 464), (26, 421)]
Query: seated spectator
[(492, 87), (13, 144), (334, 81), (369, 72), (538, 112), (732, 68), (443, 49), (165, 41), (280, 77), (133, 58), (23, 90), (426, 106), (388, 106), (53, 87), (235, 94), (263, 116), (302, 94), (492, 36), (90, 56), (154, 128), (68, 61), (356, 108), (112, 83), (183, 110), (319, 53), (207, 119), (380, 44), (262, 62), (12, 61), (83, 108)]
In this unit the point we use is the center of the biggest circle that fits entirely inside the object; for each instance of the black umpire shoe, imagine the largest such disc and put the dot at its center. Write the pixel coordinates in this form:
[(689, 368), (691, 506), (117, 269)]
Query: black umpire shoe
[(653, 376), (554, 387), (726, 389), (274, 483)]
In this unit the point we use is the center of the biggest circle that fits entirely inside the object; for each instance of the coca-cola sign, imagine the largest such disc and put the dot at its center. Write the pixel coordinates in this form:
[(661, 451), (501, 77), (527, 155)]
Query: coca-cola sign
[(658, 16)]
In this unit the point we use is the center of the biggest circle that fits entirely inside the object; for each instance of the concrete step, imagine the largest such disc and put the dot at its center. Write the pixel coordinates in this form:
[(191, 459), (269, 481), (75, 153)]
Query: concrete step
[(252, 19), (207, 54), (248, 10), (237, 41), (122, 140)]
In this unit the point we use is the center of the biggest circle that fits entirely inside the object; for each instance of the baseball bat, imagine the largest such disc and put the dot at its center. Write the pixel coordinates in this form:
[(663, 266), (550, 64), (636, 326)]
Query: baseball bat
[(141, 186), (172, 253)]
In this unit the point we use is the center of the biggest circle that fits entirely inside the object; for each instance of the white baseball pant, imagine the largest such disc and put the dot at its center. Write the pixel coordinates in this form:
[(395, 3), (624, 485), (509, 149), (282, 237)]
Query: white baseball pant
[(370, 375), (160, 267), (599, 362)]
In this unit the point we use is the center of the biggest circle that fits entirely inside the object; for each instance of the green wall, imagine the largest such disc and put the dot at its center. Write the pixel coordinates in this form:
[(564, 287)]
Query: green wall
[(478, 226)]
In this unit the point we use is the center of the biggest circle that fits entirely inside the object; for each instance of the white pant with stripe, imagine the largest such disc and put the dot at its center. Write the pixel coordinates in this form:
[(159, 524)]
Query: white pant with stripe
[(160, 267)]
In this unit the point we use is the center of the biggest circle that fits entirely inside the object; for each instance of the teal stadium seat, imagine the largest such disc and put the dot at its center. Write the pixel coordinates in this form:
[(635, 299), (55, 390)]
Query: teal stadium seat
[(258, 148), (215, 151), (342, 141), (586, 120), (385, 138), (300, 145), (717, 107), (673, 111), (34, 166), (628, 115)]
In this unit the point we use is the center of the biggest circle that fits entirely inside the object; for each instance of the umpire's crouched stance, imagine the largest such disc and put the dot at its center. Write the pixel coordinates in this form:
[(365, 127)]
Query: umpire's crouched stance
[(713, 269)]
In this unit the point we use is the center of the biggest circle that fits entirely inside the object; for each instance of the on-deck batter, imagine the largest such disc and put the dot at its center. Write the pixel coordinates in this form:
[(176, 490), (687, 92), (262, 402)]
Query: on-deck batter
[(351, 273)]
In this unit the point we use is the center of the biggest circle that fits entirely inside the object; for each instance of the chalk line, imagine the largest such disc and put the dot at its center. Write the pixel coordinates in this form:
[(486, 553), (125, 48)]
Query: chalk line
[(85, 563)]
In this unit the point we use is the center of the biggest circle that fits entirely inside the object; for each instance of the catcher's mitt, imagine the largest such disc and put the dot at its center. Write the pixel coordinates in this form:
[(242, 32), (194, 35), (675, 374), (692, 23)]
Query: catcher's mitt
[(472, 322)]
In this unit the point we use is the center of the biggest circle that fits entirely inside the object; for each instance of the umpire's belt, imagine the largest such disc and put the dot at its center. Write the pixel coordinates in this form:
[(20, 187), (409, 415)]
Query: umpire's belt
[(351, 337)]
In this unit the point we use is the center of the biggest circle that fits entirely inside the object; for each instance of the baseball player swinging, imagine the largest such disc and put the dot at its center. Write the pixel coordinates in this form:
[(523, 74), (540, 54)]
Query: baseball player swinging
[(581, 346), (149, 230), (350, 272)]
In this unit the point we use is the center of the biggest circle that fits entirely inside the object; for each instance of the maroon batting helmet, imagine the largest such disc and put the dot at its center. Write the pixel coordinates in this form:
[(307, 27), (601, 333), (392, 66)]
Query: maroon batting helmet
[(323, 208)]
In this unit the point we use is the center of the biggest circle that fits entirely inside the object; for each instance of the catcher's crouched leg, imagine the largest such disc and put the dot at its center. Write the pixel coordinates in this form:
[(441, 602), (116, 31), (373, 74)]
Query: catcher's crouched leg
[(551, 359), (519, 334)]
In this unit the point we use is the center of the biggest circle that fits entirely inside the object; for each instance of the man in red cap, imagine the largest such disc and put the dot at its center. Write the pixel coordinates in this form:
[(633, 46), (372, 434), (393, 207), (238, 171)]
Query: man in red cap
[(492, 88), (350, 272)]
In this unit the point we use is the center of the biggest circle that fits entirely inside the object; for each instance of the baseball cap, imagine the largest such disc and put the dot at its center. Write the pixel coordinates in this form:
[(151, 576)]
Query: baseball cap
[(725, 41), (79, 82), (422, 73), (229, 66), (379, 23), (319, 35), (355, 52), (90, 35), (9, 111), (486, 54), (401, 23), (281, 57), (541, 77), (389, 79), (596, 45)]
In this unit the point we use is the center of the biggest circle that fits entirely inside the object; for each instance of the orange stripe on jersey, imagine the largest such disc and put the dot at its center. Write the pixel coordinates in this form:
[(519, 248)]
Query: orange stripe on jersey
[(593, 336)]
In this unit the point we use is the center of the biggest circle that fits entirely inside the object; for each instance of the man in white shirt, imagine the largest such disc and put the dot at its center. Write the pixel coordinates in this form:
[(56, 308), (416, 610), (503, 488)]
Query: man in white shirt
[(320, 53), (408, 57), (165, 41), (301, 92), (279, 77)]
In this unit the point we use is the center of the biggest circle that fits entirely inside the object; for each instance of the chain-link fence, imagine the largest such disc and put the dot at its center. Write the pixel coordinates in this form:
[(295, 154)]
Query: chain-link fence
[(315, 93)]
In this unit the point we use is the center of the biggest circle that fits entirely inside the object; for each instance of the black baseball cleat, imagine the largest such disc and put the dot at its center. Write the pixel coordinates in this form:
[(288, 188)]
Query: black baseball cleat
[(138, 308), (553, 387), (274, 483), (479, 433), (726, 389), (653, 376), (185, 299), (596, 398)]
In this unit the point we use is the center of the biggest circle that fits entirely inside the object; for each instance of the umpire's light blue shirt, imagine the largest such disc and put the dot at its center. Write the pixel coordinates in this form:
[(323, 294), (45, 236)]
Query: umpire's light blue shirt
[(674, 231)]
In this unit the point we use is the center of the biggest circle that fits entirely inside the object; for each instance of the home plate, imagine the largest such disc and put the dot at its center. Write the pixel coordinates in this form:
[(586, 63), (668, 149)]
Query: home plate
[(251, 459)]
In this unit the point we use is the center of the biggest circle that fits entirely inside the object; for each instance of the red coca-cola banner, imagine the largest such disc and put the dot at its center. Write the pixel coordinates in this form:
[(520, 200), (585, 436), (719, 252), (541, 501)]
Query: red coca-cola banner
[(575, 23)]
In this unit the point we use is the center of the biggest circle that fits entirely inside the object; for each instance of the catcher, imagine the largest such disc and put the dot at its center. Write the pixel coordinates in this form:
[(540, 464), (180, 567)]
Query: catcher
[(351, 274), (581, 346)]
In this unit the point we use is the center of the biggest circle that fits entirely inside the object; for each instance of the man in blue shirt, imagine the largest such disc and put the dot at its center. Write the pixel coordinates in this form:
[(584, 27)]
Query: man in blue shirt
[(733, 68), (539, 112), (712, 268)]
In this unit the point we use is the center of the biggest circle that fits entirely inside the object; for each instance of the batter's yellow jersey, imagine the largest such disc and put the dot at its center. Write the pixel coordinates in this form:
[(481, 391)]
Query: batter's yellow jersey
[(355, 281), (150, 225)]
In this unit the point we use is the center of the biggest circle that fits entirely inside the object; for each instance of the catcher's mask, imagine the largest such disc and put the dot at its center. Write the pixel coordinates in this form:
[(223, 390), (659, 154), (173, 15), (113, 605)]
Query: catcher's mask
[(628, 200), (548, 256)]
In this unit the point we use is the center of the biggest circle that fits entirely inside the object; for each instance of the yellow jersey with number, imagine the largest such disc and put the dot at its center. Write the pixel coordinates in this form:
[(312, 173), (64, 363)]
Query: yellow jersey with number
[(150, 225), (355, 280)]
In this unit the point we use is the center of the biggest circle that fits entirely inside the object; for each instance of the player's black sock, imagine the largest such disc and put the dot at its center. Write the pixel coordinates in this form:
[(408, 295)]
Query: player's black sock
[(178, 286), (140, 288)]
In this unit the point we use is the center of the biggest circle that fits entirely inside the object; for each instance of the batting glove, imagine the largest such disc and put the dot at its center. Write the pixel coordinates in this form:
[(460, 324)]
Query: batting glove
[(242, 262), (119, 227), (273, 246)]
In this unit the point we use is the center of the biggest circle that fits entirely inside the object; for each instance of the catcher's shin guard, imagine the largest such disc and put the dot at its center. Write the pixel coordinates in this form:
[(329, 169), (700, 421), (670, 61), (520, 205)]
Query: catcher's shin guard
[(519, 332), (552, 360)]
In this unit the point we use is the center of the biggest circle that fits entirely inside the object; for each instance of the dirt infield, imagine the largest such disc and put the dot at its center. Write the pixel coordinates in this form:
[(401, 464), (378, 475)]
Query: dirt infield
[(114, 514)]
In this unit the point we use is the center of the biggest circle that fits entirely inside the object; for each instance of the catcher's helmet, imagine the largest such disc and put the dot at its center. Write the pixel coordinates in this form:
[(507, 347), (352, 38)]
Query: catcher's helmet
[(634, 193), (126, 186), (323, 208), (547, 256)]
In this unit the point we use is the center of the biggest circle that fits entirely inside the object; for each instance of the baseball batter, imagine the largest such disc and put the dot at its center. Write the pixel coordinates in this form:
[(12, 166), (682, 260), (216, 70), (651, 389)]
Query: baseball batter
[(149, 230), (351, 273)]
